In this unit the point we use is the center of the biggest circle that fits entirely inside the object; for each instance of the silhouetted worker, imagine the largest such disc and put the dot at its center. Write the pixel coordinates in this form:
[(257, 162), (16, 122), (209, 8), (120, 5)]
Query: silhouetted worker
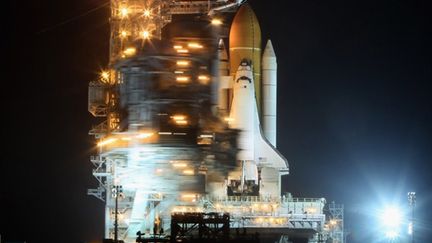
[(139, 238), (155, 229)]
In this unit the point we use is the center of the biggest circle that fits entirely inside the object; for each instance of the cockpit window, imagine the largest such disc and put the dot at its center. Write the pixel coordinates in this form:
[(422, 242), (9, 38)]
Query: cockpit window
[(244, 78)]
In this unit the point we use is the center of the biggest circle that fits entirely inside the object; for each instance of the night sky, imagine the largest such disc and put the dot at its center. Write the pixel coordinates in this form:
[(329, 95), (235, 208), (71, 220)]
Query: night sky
[(354, 111)]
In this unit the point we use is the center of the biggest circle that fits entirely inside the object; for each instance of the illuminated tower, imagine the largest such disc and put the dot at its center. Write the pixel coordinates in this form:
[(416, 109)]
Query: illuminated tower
[(187, 128)]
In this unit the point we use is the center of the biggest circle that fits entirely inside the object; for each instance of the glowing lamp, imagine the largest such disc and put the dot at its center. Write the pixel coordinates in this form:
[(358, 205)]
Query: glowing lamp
[(105, 75), (144, 135), (124, 11), (145, 34), (203, 78), (129, 51), (183, 63), (216, 22), (182, 51), (182, 79), (391, 217), (195, 45), (123, 33), (188, 172), (107, 141), (392, 234), (147, 13)]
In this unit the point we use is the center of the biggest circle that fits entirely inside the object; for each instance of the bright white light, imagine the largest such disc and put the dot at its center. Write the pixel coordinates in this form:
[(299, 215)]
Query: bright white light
[(144, 135), (180, 165), (206, 136), (188, 172), (178, 117), (123, 33), (182, 122), (145, 34), (229, 119), (129, 51), (391, 217), (124, 11), (105, 75), (410, 228), (216, 22), (182, 79), (183, 63), (182, 50), (392, 234), (147, 13), (203, 78), (107, 141), (195, 45), (311, 210), (391, 220)]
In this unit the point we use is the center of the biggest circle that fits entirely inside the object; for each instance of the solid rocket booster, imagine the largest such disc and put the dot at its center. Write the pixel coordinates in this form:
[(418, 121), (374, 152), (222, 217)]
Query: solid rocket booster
[(269, 86), (223, 96), (223, 59), (245, 43)]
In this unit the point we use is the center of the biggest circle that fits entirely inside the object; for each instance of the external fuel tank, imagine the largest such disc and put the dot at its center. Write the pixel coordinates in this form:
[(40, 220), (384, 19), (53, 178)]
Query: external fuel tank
[(245, 43)]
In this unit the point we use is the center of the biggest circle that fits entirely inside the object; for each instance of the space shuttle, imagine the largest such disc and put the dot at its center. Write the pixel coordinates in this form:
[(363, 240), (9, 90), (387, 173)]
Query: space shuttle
[(247, 98)]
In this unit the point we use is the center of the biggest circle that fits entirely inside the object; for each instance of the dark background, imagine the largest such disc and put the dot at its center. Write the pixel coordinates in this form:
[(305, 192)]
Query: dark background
[(354, 114)]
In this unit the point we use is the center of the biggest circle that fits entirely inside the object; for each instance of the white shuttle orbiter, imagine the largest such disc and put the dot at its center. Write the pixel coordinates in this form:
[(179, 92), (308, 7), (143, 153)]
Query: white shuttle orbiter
[(248, 97)]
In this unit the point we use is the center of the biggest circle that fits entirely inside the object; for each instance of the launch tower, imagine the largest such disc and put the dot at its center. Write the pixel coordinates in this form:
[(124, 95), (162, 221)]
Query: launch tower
[(188, 111)]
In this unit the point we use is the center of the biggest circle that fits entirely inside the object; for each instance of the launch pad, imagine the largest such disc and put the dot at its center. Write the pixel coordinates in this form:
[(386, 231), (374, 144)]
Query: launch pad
[(188, 138)]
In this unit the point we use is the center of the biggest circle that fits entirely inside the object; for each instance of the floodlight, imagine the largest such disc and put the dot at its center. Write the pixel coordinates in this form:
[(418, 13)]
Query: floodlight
[(391, 220), (391, 217), (392, 234)]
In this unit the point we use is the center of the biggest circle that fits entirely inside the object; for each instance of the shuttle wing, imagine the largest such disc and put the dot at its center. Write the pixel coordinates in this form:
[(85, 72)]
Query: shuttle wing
[(266, 154)]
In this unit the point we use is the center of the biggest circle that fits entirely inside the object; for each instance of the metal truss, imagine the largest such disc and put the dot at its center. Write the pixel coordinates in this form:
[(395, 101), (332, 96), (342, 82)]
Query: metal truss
[(336, 222)]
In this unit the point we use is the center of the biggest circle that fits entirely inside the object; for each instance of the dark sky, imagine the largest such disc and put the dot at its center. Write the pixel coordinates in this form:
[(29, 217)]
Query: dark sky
[(355, 109)]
